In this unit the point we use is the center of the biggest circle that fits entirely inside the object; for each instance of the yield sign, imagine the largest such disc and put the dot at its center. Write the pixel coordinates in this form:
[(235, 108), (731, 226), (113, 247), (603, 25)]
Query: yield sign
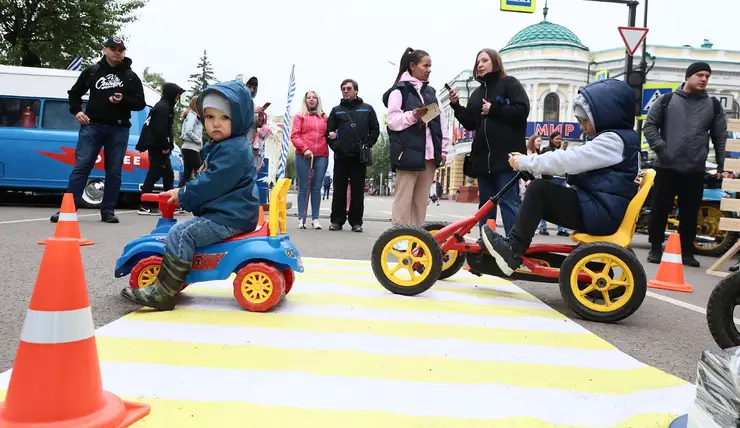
[(632, 37)]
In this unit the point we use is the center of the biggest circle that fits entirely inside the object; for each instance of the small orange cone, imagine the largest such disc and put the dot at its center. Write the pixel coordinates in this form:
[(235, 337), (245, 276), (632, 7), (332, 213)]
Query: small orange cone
[(67, 225), (55, 381), (491, 223), (670, 272)]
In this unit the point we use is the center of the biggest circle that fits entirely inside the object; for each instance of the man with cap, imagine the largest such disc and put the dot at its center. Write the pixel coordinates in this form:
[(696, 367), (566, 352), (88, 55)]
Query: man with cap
[(678, 128), (115, 91)]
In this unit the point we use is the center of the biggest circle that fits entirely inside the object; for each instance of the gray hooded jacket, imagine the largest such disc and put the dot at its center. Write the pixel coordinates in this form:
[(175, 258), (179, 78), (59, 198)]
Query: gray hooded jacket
[(679, 134)]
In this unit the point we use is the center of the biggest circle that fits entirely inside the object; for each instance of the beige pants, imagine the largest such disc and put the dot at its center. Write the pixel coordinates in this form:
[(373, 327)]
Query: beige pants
[(412, 193)]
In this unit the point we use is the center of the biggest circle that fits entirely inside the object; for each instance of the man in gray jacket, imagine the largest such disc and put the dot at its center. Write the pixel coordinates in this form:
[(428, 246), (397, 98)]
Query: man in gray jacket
[(678, 128)]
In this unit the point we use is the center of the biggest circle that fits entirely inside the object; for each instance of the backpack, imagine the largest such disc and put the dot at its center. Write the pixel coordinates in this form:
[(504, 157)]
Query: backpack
[(145, 135), (94, 70), (715, 103)]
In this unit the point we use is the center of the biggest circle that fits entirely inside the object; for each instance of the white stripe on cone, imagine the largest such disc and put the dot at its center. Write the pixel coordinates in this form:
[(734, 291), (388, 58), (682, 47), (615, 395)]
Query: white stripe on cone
[(67, 217), (52, 327), (672, 258)]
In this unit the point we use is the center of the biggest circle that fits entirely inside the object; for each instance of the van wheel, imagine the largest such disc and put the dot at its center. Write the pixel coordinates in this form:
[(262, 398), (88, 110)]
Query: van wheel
[(92, 195)]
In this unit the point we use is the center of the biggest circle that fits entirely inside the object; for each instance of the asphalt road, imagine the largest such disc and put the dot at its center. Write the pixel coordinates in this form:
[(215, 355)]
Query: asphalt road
[(667, 334)]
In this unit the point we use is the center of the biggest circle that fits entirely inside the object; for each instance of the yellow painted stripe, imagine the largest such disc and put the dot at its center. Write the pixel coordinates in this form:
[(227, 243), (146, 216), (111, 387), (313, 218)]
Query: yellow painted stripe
[(395, 303), (381, 328), (198, 414), (378, 366)]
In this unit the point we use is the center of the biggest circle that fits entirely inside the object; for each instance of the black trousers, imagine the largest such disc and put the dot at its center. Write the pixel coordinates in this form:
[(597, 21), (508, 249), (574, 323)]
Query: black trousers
[(546, 200), (159, 167), (348, 170), (191, 162), (689, 187)]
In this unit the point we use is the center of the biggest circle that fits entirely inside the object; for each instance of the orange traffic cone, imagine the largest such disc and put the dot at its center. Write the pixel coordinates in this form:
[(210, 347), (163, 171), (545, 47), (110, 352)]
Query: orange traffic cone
[(67, 225), (56, 379), (670, 272), (491, 223)]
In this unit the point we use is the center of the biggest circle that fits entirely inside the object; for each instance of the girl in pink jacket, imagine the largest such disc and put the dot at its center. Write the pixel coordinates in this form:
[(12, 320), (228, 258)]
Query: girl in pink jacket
[(308, 137), (417, 148)]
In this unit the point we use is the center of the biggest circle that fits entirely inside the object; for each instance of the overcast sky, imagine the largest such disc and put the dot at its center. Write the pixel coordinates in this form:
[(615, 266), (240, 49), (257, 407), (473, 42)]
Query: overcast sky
[(329, 40)]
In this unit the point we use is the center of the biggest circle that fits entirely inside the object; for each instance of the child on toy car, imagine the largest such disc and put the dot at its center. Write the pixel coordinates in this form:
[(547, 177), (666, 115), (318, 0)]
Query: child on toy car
[(601, 174), (223, 198)]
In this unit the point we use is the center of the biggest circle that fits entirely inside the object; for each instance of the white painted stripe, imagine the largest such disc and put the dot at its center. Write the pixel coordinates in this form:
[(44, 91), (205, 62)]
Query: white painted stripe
[(563, 325), (310, 287), (48, 327), (672, 258), (29, 220), (384, 345), (67, 216), (682, 304), (294, 389)]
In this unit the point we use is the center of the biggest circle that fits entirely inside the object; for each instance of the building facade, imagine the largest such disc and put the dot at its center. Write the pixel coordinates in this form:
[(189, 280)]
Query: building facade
[(552, 64)]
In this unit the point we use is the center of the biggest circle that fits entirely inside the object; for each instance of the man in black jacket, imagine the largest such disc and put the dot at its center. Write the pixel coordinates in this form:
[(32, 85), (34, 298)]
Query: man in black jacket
[(351, 125), (115, 91), (159, 143)]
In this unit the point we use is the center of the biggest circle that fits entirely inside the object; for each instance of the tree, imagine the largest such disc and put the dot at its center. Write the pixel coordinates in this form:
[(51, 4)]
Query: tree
[(36, 33), (155, 80), (203, 77), (381, 158)]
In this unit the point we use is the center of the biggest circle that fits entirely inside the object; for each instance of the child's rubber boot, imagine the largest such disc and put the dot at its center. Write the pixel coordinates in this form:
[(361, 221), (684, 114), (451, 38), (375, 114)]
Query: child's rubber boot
[(161, 294)]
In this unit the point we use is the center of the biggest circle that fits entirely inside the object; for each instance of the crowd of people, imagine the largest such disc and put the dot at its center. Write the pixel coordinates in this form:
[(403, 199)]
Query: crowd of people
[(219, 185)]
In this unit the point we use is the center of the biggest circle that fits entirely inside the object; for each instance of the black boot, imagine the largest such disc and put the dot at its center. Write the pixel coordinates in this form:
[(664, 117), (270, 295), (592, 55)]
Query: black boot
[(162, 292), (688, 259), (656, 254)]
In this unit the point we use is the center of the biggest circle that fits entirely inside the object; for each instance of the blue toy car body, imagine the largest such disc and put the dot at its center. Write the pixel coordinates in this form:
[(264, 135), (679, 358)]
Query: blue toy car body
[(268, 251)]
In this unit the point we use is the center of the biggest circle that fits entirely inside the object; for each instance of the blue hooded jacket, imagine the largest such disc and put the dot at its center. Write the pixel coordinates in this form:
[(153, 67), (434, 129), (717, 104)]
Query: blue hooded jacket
[(225, 192), (605, 193)]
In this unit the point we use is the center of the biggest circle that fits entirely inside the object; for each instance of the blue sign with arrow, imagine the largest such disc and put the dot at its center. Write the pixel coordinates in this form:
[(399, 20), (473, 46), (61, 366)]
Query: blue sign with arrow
[(652, 91)]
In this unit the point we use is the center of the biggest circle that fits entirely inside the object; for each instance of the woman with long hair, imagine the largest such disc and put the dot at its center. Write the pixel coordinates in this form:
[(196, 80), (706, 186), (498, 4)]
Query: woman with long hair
[(497, 110), (309, 138), (418, 145), (192, 141)]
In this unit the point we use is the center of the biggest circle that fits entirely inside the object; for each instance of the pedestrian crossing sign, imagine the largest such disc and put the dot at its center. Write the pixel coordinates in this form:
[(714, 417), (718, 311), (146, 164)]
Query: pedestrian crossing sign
[(652, 91), (524, 6)]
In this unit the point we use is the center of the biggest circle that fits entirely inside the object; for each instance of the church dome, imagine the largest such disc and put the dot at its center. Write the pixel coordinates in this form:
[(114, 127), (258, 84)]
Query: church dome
[(544, 34)]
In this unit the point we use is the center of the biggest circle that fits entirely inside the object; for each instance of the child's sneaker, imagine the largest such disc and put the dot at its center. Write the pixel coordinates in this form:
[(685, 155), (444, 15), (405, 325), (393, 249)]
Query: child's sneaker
[(316, 224), (148, 211), (502, 251)]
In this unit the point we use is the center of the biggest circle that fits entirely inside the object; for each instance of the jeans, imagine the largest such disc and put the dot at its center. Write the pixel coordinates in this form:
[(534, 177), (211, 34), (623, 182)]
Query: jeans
[(548, 201), (302, 166), (488, 186), (187, 235), (689, 187), (93, 137)]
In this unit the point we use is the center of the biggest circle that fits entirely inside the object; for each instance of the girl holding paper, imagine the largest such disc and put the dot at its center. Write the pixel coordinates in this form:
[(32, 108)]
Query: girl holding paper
[(418, 135)]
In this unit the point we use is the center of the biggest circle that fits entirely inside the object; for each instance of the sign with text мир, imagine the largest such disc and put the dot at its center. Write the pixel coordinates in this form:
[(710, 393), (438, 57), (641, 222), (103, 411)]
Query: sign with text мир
[(524, 6)]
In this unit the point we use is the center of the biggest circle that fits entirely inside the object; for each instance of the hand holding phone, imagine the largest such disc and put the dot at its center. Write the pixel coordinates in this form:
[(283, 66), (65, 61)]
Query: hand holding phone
[(267, 104)]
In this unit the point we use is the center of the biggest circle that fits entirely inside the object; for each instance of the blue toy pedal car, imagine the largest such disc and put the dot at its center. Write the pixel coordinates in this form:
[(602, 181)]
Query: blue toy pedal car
[(264, 260)]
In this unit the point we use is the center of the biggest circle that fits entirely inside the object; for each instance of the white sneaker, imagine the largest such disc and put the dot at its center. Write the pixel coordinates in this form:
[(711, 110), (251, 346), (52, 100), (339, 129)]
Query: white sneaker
[(301, 224), (316, 224)]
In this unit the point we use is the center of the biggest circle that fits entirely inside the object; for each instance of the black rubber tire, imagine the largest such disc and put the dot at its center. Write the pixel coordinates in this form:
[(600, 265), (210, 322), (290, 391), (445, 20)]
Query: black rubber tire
[(632, 262), (732, 237), (426, 238), (720, 311), (433, 226)]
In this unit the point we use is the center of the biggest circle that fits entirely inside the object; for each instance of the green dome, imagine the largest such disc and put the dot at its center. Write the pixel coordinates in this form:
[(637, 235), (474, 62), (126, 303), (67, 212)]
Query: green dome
[(544, 34)]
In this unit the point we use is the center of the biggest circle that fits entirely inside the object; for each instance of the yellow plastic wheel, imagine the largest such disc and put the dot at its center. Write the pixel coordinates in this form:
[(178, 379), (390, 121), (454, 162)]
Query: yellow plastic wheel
[(259, 286), (453, 260), (145, 272), (707, 224), (617, 282), (417, 260)]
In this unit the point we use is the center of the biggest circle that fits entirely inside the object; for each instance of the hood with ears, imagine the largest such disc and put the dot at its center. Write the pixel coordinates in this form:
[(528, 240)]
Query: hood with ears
[(240, 99), (170, 91), (610, 104)]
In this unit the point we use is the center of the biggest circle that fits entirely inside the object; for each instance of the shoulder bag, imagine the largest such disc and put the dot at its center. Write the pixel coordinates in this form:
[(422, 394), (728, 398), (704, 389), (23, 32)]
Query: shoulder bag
[(366, 154)]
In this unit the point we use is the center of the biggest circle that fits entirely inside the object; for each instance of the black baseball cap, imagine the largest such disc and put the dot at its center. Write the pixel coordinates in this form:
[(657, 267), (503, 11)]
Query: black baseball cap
[(115, 42)]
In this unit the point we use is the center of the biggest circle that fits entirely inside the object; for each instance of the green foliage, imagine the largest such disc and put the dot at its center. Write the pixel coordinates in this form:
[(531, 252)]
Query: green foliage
[(381, 158), (155, 80), (290, 171), (203, 77), (36, 33)]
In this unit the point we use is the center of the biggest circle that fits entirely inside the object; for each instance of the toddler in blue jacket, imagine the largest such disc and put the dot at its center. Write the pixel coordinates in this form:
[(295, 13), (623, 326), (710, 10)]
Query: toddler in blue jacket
[(223, 198)]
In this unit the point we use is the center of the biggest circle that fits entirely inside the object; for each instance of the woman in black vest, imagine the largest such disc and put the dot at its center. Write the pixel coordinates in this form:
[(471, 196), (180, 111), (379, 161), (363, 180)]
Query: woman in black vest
[(417, 148), (497, 110)]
